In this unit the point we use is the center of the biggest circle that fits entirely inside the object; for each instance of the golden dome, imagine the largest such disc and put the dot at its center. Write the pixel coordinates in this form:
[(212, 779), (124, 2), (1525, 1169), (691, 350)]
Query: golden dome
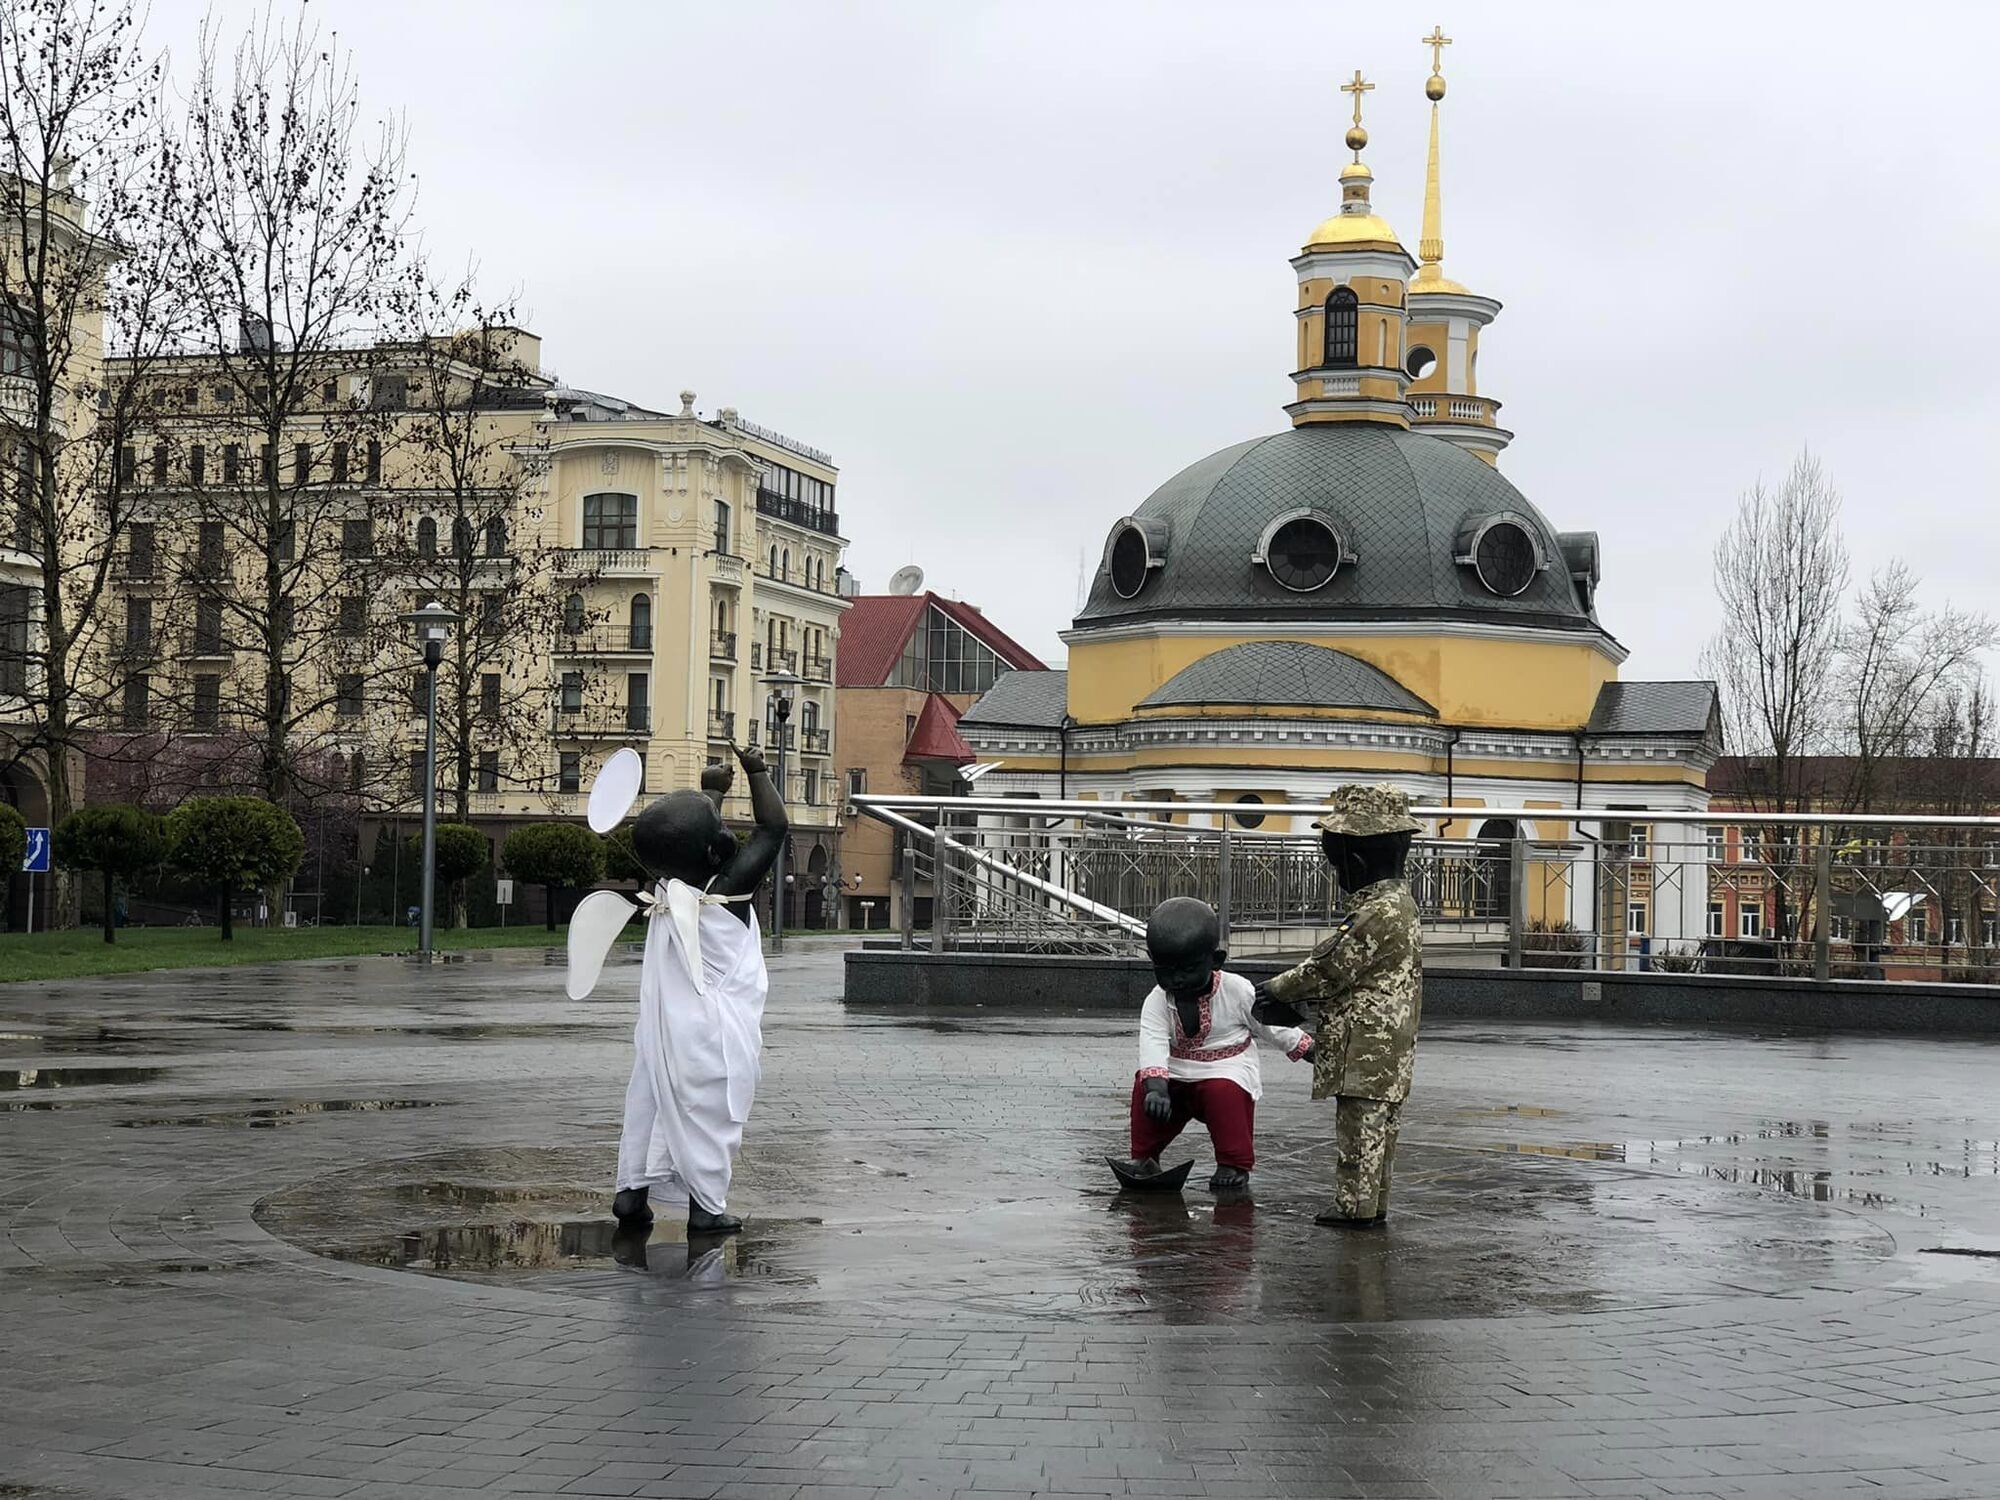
[(1352, 229), (1434, 283)]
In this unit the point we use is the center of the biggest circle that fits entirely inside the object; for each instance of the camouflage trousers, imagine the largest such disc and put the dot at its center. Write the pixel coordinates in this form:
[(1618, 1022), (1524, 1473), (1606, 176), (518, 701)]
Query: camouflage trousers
[(1365, 1133)]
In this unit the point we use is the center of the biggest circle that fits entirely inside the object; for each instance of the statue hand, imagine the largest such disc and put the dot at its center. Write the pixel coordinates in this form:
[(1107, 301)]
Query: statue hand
[(1268, 1010), (1159, 1106), (751, 759), (717, 777)]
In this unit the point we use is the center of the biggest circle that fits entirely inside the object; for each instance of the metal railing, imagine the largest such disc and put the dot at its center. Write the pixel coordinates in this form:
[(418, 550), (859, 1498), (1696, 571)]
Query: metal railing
[(1814, 896), (818, 669), (722, 726), (605, 640), (722, 645)]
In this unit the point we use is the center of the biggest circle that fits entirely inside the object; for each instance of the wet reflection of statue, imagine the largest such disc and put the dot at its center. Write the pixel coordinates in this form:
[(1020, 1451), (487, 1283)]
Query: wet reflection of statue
[(1366, 984)]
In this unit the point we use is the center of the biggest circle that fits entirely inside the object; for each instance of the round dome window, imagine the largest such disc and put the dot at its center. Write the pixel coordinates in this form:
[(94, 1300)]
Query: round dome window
[(1420, 363), (1302, 553), (1131, 562), (1505, 557)]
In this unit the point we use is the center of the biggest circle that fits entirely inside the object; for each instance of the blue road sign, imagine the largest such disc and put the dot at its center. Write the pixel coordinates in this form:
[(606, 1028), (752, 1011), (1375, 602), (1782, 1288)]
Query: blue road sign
[(36, 860)]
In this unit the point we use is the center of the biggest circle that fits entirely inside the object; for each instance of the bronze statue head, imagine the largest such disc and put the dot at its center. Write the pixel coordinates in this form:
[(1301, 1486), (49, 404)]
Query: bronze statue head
[(1184, 940), (681, 837)]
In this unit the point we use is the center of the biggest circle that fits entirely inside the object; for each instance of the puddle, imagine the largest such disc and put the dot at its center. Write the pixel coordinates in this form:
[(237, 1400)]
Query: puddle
[(271, 1116), (73, 1078), (573, 1244)]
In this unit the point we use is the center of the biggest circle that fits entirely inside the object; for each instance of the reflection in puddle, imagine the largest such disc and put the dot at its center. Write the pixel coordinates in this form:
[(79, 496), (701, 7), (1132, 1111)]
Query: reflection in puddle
[(72, 1078), (271, 1116), (576, 1244)]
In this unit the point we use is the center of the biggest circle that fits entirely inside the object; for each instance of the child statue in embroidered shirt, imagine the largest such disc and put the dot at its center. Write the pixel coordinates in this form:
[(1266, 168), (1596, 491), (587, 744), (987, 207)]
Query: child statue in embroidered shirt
[(1197, 1051)]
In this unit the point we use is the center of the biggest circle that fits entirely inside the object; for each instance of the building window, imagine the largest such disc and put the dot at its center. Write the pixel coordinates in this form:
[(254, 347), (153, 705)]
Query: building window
[(427, 537), (1248, 819), (1954, 932), (128, 465), (357, 539), (139, 549), (461, 537), (1750, 920), (353, 615), (572, 692), (340, 463), (492, 615), (232, 462), (1750, 843), (1635, 918), (389, 392), (489, 695), (347, 695), (857, 781), (611, 521), (1838, 928), (14, 617), (489, 770), (1919, 927), (417, 773), (1343, 338), (812, 786), (159, 463), (573, 614), (288, 540), (496, 537), (197, 464), (1986, 932), (642, 623), (1715, 919), (207, 703), (722, 526), (208, 627), (267, 463), (374, 461), (138, 624), (302, 463), (1641, 838), (137, 709), (208, 558), (942, 656), (420, 692), (1716, 843), (636, 706), (569, 772)]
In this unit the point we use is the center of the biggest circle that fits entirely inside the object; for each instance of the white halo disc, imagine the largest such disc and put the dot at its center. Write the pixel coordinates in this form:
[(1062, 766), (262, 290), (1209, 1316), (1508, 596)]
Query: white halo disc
[(615, 790)]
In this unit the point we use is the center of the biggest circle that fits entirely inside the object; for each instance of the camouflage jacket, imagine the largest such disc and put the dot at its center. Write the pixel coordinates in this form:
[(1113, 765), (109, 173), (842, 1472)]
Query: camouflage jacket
[(1368, 980)]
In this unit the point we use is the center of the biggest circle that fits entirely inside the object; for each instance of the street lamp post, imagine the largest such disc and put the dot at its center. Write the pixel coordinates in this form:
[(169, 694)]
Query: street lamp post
[(433, 625), (781, 685)]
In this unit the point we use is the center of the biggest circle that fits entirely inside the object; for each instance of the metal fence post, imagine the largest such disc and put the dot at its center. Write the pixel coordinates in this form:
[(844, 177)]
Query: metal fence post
[(1222, 857), (1823, 884), (1517, 898), (940, 883), (907, 922)]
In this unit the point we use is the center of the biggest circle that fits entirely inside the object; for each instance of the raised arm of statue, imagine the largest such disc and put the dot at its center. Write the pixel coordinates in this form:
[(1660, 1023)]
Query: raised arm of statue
[(746, 869)]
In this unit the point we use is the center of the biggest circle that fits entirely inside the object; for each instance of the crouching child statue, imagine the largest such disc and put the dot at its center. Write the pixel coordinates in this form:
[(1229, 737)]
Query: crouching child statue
[(702, 984), (1364, 984)]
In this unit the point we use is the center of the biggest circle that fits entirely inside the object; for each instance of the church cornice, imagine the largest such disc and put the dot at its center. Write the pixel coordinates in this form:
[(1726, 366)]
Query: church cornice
[(1310, 630)]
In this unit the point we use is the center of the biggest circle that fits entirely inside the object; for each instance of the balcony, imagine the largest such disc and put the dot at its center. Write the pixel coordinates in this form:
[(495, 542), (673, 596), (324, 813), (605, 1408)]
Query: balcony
[(818, 669), (778, 659), (1452, 409), (784, 508), (604, 562), (203, 646), (604, 723), (729, 568), (722, 728), (815, 741), (136, 567), (722, 645), (607, 640)]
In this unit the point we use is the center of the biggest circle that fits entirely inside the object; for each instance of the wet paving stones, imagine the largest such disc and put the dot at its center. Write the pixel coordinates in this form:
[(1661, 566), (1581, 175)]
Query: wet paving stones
[(1621, 1261)]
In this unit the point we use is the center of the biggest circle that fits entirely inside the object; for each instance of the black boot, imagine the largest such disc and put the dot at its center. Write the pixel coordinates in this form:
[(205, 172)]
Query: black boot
[(701, 1221), (630, 1210), (1227, 1179), (1333, 1218)]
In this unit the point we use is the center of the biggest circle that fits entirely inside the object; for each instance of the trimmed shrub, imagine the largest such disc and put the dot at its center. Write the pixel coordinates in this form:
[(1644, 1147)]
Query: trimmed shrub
[(554, 856), (1554, 945), (117, 840), (229, 843)]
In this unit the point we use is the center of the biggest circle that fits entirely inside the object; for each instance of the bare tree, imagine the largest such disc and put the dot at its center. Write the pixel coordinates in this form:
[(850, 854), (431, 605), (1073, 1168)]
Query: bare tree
[(82, 201), (462, 530), (1904, 672), (1781, 577), (292, 242)]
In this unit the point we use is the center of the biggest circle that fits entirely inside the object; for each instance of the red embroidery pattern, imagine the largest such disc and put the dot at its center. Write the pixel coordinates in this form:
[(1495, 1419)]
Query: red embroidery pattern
[(1154, 1073), (1305, 1046), (1205, 1013), (1208, 1054)]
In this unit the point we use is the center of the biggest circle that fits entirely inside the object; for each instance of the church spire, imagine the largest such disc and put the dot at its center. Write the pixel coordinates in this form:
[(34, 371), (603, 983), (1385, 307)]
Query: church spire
[(1430, 246)]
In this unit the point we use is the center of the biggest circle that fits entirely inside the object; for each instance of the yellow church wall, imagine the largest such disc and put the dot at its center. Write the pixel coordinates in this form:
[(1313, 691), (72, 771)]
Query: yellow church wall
[(1511, 684)]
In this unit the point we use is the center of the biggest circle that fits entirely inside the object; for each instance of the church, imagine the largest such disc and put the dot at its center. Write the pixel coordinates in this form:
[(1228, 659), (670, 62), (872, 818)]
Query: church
[(1360, 596)]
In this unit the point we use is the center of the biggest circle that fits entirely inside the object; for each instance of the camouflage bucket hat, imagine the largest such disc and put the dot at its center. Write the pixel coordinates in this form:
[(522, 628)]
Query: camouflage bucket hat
[(1359, 811)]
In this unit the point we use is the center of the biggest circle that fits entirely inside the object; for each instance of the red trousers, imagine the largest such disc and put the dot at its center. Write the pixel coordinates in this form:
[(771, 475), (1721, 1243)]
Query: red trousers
[(1229, 1113)]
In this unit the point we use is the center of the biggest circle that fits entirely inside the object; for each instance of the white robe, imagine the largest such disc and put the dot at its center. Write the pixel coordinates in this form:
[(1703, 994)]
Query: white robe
[(699, 1052)]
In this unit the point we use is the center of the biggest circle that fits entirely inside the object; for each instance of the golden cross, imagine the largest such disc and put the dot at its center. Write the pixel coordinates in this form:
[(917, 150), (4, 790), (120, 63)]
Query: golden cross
[(1437, 41), (1357, 88)]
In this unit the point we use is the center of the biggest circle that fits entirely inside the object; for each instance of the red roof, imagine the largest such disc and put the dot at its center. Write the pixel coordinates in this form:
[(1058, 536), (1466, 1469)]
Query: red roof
[(936, 736), (877, 627)]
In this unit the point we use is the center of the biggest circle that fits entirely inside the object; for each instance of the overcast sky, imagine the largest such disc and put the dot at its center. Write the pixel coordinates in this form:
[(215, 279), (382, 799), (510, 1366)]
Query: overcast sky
[(1014, 264)]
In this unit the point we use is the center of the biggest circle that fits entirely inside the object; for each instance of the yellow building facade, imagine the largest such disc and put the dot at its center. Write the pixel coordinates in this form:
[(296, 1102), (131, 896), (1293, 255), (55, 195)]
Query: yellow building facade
[(1361, 596)]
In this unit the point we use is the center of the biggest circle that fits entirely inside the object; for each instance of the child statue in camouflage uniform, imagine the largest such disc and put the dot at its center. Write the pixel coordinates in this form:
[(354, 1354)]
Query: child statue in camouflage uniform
[(1365, 982)]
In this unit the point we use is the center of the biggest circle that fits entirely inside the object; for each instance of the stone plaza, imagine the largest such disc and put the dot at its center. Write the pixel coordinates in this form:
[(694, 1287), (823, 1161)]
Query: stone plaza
[(340, 1229)]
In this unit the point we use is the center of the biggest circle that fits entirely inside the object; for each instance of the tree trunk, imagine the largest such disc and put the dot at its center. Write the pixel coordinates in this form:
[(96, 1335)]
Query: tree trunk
[(110, 936), (549, 900), (226, 916)]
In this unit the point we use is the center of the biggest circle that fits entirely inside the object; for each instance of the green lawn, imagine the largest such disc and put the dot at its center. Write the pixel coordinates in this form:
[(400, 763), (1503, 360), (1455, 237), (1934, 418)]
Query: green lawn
[(83, 951)]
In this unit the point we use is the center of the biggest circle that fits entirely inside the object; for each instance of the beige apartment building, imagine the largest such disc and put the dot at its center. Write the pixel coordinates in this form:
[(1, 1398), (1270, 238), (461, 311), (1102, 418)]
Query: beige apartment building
[(687, 559)]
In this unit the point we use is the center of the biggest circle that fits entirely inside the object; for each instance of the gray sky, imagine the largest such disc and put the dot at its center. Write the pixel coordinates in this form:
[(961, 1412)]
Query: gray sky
[(1014, 264)]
